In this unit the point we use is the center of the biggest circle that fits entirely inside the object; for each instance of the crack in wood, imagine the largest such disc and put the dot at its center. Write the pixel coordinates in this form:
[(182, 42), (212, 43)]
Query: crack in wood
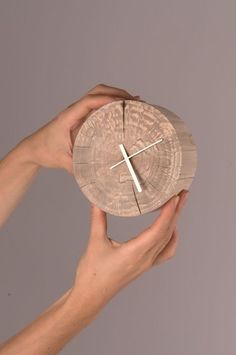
[(81, 146), (123, 118), (90, 162), (162, 170)]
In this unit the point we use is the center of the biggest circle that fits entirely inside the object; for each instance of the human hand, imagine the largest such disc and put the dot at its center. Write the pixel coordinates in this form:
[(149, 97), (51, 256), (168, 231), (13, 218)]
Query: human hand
[(51, 146), (107, 265)]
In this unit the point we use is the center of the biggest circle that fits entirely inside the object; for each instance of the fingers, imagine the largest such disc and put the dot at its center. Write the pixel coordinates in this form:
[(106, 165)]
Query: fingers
[(98, 96), (158, 234), (110, 90), (75, 112), (98, 225), (169, 250), (98, 228), (166, 216), (182, 202), (169, 214), (163, 227)]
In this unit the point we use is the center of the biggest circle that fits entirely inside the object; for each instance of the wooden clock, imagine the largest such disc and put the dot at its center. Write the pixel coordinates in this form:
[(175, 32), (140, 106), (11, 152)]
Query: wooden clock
[(130, 157)]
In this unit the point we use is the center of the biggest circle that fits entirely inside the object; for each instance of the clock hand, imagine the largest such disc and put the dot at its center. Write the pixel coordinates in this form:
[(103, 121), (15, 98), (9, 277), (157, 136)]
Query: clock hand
[(141, 150), (130, 167)]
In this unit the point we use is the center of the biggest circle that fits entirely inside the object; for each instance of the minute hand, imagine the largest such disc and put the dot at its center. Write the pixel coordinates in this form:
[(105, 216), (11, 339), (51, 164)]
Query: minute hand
[(141, 150)]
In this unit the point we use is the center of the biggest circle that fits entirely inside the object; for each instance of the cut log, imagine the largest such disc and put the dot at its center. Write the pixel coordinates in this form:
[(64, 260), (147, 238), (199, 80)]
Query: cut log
[(163, 170)]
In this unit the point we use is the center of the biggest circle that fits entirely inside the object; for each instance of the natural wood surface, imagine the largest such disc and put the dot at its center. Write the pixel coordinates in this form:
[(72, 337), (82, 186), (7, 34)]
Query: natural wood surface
[(162, 170)]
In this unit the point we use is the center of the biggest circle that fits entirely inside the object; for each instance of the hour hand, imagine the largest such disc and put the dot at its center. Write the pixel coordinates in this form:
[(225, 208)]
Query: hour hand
[(141, 150), (130, 167)]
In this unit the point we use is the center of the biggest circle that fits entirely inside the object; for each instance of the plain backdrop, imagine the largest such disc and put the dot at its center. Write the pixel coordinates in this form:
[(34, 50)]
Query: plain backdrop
[(177, 54)]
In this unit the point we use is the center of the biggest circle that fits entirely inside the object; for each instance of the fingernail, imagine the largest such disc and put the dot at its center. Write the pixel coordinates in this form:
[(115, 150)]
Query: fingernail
[(176, 200)]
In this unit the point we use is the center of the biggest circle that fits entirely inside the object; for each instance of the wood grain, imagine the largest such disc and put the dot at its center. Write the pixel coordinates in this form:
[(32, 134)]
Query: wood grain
[(162, 170)]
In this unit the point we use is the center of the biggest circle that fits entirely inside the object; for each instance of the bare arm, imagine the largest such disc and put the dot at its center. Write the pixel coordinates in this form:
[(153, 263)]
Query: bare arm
[(50, 146), (104, 269), (106, 266), (16, 174), (49, 332)]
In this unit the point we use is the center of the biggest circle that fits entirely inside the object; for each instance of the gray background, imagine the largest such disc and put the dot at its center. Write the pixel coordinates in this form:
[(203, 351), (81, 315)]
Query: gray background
[(178, 54)]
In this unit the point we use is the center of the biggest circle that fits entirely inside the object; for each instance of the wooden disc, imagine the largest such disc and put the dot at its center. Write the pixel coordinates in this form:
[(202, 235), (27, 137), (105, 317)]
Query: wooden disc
[(163, 170)]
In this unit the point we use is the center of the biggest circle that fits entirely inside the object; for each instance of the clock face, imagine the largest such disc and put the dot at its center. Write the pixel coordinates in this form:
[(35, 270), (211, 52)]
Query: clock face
[(127, 158)]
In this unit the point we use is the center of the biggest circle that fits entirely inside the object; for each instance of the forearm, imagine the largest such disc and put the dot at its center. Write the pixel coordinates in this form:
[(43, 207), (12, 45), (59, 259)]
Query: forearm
[(50, 332), (17, 171)]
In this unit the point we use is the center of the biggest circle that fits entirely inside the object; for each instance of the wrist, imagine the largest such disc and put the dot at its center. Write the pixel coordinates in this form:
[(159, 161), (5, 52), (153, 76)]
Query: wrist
[(26, 153), (81, 306), (21, 156)]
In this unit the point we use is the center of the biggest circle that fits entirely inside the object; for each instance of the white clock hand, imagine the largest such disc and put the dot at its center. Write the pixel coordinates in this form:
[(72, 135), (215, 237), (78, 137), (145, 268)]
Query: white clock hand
[(130, 167), (141, 150)]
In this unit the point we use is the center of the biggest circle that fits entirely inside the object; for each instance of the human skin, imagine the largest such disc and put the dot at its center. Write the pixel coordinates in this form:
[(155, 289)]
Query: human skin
[(50, 146), (106, 266)]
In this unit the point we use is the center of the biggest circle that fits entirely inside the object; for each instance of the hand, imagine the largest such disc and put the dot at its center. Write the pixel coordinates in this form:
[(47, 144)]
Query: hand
[(51, 146), (105, 268), (107, 265)]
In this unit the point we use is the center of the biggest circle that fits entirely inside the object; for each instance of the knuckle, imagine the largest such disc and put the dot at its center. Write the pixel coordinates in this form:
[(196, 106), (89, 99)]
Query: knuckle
[(95, 88), (86, 99), (100, 86), (126, 92)]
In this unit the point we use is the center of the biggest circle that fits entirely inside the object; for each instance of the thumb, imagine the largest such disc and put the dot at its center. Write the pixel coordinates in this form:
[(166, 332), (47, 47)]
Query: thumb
[(98, 226), (85, 106)]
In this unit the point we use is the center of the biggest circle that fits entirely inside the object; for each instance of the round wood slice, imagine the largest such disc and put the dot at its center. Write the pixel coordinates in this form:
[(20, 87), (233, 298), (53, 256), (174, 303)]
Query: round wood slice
[(163, 170)]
